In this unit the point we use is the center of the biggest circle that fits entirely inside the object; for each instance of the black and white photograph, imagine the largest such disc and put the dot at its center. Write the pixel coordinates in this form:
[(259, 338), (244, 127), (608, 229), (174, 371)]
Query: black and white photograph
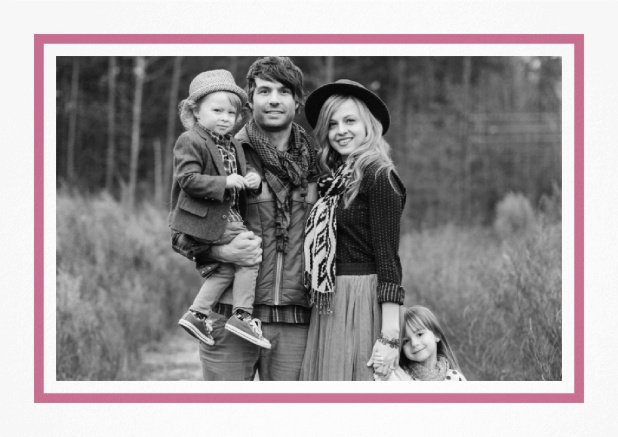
[(309, 218)]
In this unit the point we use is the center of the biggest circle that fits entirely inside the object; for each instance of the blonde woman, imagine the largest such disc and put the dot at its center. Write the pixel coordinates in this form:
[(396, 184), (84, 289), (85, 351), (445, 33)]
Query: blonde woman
[(352, 265)]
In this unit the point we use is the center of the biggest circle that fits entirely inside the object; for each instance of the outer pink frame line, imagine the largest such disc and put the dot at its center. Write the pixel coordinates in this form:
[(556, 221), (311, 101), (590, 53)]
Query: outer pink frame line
[(309, 39), (309, 398), (577, 396)]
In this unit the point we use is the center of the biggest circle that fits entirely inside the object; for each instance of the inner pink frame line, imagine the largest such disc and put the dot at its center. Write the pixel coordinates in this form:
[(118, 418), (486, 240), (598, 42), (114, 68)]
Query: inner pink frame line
[(576, 40)]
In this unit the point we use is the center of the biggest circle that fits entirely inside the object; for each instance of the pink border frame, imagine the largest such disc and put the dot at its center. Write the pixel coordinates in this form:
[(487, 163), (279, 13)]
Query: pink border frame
[(576, 40)]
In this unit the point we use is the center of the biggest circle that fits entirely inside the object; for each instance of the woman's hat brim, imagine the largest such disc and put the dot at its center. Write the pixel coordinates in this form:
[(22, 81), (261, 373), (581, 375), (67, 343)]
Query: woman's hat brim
[(345, 87)]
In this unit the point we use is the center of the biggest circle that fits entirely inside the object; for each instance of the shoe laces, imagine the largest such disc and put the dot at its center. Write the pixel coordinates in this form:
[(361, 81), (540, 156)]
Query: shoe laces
[(207, 325), (256, 326)]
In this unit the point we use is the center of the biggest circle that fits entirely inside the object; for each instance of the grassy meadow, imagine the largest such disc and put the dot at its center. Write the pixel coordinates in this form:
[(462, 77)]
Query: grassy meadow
[(496, 291), (119, 285)]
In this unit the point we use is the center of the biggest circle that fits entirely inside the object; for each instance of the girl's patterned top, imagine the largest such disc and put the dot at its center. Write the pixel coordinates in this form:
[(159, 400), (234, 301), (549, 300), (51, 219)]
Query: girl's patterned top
[(401, 375)]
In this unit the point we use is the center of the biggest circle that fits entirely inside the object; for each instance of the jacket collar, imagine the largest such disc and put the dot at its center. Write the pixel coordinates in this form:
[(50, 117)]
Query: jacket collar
[(214, 151), (242, 136), (202, 132), (212, 148)]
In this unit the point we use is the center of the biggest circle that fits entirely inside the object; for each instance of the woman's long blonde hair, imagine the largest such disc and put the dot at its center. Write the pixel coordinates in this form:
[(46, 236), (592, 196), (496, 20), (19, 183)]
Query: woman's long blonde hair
[(374, 150)]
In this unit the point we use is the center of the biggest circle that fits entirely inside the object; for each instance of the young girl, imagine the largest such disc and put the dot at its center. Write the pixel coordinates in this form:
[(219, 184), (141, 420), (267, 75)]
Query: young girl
[(426, 354), (352, 266), (208, 193)]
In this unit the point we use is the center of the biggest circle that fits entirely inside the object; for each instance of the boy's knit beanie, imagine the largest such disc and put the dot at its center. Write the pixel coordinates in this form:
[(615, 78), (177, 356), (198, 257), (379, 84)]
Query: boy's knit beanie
[(212, 81)]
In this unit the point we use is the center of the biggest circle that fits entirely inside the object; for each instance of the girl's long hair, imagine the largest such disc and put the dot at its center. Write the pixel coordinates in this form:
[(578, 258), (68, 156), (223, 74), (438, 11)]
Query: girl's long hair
[(418, 317), (373, 151)]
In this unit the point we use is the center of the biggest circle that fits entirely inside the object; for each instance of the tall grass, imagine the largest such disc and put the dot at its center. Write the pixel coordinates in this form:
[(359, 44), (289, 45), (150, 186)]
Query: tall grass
[(118, 285), (498, 294)]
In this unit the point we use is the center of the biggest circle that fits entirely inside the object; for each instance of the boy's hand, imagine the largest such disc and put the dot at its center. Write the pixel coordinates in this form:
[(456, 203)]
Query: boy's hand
[(235, 181), (252, 181)]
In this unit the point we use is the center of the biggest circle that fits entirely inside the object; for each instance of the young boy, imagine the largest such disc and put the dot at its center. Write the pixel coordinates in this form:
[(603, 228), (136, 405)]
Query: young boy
[(210, 176)]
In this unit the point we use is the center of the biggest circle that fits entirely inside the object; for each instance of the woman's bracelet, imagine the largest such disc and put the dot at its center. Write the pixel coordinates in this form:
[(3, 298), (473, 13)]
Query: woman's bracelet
[(393, 342)]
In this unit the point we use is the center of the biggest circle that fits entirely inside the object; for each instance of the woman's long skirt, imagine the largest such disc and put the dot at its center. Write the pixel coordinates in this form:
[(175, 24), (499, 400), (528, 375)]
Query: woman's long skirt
[(340, 344)]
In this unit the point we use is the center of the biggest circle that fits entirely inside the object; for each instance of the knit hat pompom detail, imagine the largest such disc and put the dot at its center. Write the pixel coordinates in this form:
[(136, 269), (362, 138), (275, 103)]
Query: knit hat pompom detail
[(213, 81)]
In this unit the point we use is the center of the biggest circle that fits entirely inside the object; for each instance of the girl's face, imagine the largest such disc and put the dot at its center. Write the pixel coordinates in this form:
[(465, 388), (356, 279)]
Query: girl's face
[(216, 113), (346, 129), (421, 346)]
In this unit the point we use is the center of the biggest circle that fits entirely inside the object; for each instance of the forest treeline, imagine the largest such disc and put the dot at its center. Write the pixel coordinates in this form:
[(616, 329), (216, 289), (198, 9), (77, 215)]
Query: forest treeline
[(465, 131)]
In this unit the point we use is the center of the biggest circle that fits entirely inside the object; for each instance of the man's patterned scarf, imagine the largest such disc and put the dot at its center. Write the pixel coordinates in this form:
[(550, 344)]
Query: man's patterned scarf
[(321, 239), (284, 171)]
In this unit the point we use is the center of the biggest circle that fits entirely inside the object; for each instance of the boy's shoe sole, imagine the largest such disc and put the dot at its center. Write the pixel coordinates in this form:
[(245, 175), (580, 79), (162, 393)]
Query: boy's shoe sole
[(192, 330), (234, 330)]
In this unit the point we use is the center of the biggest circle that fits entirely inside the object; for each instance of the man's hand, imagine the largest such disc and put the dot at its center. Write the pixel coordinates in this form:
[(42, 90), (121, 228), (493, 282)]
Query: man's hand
[(244, 250), (235, 181), (252, 181)]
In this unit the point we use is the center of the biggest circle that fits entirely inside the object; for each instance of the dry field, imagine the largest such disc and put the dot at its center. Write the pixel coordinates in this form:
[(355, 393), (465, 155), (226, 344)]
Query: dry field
[(120, 291)]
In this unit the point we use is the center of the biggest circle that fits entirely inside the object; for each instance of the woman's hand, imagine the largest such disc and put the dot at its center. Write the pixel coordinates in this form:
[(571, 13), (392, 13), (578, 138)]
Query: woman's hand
[(377, 360), (383, 359), (388, 355)]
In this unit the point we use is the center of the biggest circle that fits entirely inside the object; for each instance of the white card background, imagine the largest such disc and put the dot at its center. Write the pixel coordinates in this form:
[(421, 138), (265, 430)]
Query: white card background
[(23, 19)]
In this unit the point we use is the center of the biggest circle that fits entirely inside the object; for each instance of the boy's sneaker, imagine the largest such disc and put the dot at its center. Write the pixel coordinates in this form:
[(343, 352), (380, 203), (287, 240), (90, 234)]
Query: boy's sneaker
[(247, 328), (198, 328)]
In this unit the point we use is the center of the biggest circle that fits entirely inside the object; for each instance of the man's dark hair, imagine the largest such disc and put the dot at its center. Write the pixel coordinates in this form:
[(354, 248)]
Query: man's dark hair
[(276, 68)]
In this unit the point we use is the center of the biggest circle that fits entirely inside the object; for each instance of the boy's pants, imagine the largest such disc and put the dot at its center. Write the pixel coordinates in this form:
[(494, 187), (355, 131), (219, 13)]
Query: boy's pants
[(244, 279)]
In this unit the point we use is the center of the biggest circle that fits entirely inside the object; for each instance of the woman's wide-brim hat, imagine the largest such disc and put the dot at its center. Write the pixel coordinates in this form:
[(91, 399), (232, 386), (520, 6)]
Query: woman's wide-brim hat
[(213, 81), (346, 87)]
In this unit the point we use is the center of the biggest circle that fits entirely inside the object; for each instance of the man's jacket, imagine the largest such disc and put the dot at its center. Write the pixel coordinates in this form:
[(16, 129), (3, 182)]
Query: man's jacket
[(280, 278)]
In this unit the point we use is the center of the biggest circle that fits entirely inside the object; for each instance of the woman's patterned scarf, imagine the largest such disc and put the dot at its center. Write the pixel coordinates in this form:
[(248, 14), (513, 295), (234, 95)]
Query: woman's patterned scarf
[(284, 171), (422, 373), (321, 239)]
